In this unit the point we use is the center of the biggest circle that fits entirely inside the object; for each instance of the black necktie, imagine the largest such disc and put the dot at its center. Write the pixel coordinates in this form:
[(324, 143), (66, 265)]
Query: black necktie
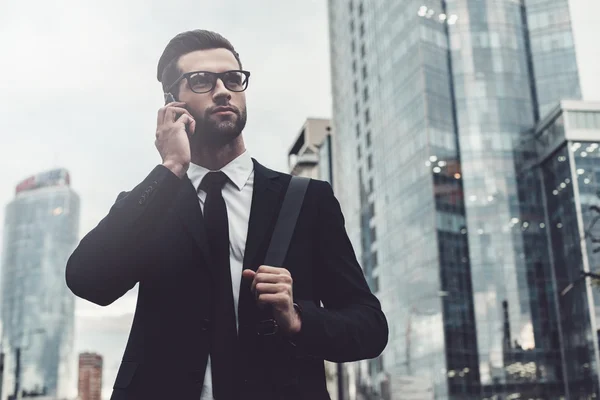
[(223, 340)]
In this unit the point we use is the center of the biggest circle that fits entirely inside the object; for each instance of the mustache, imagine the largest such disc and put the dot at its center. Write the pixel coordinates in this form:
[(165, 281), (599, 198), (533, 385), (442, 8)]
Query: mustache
[(236, 110)]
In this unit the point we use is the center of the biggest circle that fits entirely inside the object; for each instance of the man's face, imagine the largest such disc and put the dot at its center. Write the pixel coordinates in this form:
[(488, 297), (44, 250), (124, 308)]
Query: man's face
[(212, 125)]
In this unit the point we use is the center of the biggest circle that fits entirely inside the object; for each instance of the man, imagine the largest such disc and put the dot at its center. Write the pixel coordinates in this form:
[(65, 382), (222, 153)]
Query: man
[(211, 320)]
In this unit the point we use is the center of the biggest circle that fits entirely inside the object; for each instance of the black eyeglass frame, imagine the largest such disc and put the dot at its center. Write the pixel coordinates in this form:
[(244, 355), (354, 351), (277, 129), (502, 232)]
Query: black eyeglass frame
[(218, 75)]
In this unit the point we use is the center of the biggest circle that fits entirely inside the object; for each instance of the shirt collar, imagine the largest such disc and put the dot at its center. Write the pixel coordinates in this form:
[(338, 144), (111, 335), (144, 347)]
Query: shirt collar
[(238, 171)]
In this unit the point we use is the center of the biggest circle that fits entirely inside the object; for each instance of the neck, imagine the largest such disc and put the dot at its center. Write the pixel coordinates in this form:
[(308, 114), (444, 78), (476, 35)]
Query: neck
[(214, 158)]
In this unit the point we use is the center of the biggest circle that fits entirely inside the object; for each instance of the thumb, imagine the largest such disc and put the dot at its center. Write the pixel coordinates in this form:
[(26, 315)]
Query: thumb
[(248, 274)]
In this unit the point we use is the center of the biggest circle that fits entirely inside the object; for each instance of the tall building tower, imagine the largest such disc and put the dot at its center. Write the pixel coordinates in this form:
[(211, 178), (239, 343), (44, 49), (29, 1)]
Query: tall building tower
[(438, 108), (90, 376), (40, 232)]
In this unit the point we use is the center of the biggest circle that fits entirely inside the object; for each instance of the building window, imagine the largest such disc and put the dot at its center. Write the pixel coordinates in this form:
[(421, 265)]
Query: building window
[(373, 234), (372, 209), (358, 152), (357, 130), (364, 72), (354, 66), (370, 162), (351, 6), (368, 138), (584, 120), (360, 9), (363, 51), (362, 29), (353, 46), (366, 93), (374, 259), (351, 25), (356, 110), (370, 185), (375, 281), (367, 116), (355, 87)]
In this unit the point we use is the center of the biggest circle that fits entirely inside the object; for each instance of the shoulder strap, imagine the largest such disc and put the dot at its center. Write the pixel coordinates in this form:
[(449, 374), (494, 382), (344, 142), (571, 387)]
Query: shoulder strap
[(286, 222)]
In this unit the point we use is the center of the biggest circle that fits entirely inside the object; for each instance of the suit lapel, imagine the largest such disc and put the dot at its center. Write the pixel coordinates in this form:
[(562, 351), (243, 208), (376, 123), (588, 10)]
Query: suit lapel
[(188, 209), (266, 202)]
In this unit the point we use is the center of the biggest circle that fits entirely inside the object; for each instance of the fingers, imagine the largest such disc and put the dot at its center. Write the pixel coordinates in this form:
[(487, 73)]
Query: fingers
[(192, 127), (262, 288), (162, 111), (173, 113), (189, 122), (275, 299), (248, 274), (263, 277), (272, 270)]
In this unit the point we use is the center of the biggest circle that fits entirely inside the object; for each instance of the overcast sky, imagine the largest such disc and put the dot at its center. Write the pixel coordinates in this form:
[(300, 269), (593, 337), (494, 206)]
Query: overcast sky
[(79, 91)]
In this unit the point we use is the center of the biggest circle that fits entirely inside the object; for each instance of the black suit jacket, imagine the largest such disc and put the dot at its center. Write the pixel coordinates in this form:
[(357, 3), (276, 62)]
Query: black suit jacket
[(154, 236)]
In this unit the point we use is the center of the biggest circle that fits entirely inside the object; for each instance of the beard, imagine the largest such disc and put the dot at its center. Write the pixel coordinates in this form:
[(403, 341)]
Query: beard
[(217, 131)]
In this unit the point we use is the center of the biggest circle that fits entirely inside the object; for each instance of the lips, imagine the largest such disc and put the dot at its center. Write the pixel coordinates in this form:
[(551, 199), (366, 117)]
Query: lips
[(222, 109)]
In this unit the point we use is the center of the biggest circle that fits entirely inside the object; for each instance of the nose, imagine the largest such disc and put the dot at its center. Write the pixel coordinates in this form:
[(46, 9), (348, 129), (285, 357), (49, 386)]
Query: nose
[(220, 91)]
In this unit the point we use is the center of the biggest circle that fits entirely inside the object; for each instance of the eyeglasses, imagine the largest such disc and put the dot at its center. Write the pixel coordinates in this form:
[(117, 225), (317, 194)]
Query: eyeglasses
[(205, 81)]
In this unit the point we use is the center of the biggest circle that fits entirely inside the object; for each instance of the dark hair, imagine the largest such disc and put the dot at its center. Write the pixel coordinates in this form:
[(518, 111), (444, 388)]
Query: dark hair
[(168, 72)]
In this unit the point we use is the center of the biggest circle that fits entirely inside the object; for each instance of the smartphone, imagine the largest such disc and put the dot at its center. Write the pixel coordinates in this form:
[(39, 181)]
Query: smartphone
[(169, 98)]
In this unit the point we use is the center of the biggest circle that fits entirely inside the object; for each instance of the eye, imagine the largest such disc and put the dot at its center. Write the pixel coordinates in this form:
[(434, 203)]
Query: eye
[(200, 81), (234, 79)]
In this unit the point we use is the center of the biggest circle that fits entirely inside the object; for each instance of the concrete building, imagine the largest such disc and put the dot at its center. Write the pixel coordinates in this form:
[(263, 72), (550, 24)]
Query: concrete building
[(90, 376), (310, 155), (40, 232), (436, 104)]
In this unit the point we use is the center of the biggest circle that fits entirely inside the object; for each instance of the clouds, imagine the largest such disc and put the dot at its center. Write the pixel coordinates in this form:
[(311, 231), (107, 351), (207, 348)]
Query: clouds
[(80, 91)]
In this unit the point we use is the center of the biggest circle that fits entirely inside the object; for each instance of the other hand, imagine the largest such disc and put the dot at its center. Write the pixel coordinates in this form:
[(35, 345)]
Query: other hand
[(272, 286)]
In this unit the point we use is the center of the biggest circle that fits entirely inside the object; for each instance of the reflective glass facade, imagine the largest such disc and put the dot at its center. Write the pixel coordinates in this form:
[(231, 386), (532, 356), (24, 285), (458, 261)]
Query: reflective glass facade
[(553, 226), (40, 232), (495, 104), (553, 57), (570, 170), (400, 183), (439, 172)]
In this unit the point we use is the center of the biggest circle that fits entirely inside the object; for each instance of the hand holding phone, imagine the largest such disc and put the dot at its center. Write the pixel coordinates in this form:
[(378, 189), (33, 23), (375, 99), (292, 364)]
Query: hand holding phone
[(174, 126), (169, 98)]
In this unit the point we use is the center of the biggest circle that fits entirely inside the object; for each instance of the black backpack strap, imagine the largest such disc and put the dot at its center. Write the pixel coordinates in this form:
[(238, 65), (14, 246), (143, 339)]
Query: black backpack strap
[(280, 242), (286, 222)]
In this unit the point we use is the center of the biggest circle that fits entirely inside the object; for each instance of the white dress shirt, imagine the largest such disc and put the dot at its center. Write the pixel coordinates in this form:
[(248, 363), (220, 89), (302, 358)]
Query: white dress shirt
[(237, 194)]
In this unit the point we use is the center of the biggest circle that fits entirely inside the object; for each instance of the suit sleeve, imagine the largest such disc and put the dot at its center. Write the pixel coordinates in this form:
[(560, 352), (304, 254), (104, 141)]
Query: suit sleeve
[(351, 326), (113, 257)]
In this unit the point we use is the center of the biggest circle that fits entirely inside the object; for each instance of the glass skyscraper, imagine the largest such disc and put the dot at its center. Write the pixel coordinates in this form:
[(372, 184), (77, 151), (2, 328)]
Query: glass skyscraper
[(40, 232), (438, 108)]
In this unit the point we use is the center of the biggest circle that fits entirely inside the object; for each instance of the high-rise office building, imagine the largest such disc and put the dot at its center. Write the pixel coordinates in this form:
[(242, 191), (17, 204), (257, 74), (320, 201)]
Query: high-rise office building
[(437, 109), (40, 232), (559, 160), (90, 376)]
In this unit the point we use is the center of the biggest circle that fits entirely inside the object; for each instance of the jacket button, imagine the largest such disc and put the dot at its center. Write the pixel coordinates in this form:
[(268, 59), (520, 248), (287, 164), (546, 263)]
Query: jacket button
[(142, 200)]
